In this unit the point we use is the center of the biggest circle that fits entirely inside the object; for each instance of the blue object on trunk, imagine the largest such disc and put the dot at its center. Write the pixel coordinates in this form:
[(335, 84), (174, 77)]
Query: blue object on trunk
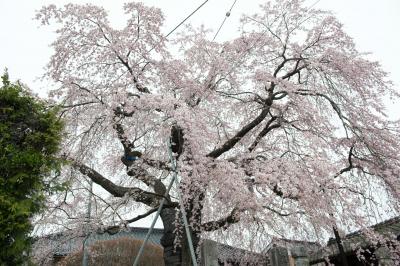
[(131, 158)]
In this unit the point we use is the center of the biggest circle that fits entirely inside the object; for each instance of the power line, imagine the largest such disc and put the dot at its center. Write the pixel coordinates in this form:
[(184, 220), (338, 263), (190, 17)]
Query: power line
[(308, 9), (174, 29), (183, 21), (223, 21), (316, 2)]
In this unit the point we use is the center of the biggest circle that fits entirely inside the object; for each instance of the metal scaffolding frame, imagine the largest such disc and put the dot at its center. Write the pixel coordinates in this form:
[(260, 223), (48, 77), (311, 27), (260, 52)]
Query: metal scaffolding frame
[(182, 208)]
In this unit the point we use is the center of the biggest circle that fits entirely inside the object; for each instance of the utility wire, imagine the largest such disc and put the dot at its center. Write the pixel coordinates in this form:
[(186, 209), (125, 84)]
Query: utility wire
[(308, 9), (183, 21), (174, 29), (223, 21), (316, 2)]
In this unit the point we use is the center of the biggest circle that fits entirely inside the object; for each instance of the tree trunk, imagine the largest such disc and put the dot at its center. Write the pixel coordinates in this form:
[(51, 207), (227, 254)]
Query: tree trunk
[(339, 242), (179, 256), (172, 256)]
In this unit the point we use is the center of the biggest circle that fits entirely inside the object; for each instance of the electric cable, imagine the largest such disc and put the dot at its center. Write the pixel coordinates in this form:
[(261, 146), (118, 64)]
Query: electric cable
[(223, 21), (174, 29), (308, 9), (183, 21)]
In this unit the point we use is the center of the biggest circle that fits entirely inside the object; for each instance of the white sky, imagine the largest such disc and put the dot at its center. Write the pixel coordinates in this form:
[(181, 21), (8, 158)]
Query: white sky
[(24, 47)]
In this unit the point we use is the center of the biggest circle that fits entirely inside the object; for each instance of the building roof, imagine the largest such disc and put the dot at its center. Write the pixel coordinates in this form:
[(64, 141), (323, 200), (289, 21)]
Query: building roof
[(228, 253), (64, 243), (357, 239), (290, 243), (387, 227)]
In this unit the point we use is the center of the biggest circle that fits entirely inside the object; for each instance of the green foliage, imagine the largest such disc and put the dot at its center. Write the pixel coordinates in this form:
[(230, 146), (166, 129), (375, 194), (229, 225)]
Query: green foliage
[(30, 134)]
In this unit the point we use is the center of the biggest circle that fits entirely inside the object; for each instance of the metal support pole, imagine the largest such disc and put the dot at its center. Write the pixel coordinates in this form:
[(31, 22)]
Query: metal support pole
[(85, 258), (185, 221), (174, 178), (136, 262), (88, 214)]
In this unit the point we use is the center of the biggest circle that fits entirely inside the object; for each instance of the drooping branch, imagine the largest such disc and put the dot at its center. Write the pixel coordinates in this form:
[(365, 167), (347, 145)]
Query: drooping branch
[(334, 105), (251, 184)]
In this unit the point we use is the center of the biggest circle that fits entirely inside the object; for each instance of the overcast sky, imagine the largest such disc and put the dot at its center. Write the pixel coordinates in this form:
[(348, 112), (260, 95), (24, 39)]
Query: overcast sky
[(24, 47)]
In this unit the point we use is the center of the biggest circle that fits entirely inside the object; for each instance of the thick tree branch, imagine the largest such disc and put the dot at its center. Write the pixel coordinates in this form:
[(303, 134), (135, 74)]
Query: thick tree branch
[(295, 71), (241, 133), (142, 175), (138, 86), (137, 194), (128, 146), (232, 218), (141, 216), (283, 214), (268, 127), (75, 105), (282, 64), (156, 164), (137, 172), (278, 191)]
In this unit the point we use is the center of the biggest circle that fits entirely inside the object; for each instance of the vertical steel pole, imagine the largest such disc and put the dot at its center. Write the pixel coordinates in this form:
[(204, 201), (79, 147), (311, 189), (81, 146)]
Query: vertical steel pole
[(88, 214), (174, 178), (136, 262), (85, 258), (182, 207)]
